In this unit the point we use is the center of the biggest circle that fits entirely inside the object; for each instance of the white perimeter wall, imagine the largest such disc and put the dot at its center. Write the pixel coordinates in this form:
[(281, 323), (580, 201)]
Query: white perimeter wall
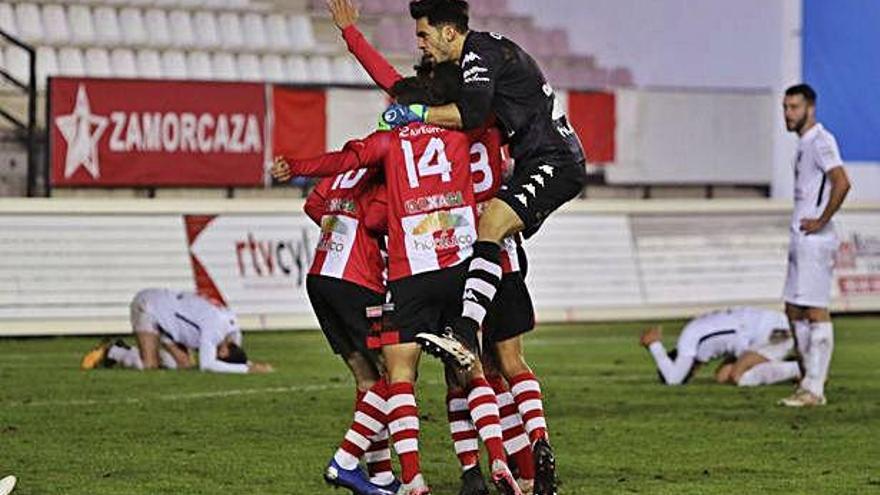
[(72, 266)]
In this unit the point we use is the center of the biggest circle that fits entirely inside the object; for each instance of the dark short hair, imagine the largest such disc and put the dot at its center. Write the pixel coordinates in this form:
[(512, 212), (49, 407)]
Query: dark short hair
[(804, 90), (439, 86), (236, 355), (440, 12)]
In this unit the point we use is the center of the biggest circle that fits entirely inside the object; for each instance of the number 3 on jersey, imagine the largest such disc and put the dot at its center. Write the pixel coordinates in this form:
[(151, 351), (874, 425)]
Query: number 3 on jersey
[(432, 162)]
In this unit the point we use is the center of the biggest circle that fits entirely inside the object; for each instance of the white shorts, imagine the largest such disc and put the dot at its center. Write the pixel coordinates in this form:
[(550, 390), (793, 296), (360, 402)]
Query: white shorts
[(810, 270), (142, 321)]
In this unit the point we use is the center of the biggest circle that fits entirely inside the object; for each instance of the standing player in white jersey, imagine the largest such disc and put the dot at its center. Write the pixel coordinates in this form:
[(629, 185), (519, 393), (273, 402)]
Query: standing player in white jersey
[(758, 339), (168, 325), (821, 185)]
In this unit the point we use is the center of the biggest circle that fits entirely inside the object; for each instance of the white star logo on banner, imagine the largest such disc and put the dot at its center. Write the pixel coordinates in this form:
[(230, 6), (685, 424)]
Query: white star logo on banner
[(82, 131)]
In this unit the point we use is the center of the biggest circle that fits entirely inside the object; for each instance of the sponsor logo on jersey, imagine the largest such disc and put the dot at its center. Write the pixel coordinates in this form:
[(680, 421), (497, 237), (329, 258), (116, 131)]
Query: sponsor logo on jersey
[(470, 57), (434, 202), (441, 226), (342, 205)]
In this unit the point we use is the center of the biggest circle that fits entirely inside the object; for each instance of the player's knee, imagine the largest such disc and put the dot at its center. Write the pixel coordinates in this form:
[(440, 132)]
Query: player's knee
[(498, 221)]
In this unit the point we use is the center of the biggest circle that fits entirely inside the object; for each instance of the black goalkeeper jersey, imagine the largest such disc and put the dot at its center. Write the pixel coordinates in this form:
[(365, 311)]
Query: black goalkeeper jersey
[(501, 78)]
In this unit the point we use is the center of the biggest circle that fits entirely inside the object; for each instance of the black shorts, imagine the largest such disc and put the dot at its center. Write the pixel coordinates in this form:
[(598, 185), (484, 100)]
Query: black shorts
[(427, 302), (341, 310), (512, 314), (539, 186)]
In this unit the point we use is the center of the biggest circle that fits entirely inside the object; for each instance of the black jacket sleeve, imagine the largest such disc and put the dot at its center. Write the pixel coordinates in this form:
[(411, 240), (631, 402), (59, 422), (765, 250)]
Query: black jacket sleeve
[(480, 64)]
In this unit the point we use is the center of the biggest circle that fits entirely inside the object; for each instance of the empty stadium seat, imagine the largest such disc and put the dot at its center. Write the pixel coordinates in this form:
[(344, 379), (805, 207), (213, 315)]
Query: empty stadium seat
[(230, 27), (47, 65), (174, 65), (249, 67), (223, 65), (123, 63), (182, 34), (158, 32), (107, 26), (206, 33), (198, 65), (297, 68), (82, 29), (148, 64), (55, 26), (343, 71), (134, 30), (273, 68), (277, 34), (17, 63), (320, 70), (97, 63), (302, 36), (27, 19), (254, 31), (7, 19), (70, 62)]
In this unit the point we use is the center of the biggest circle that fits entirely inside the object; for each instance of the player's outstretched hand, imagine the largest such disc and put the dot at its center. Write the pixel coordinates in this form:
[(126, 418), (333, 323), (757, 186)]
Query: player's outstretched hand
[(811, 225), (281, 170), (344, 13), (651, 335), (260, 368), (397, 115)]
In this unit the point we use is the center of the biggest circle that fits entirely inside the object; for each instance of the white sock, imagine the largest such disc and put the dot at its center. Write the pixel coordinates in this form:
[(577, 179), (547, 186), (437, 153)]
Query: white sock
[(802, 336), (127, 357), (818, 358), (167, 360), (770, 373)]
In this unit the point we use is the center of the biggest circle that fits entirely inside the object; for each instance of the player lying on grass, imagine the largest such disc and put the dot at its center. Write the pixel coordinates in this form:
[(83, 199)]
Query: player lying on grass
[(168, 325), (431, 227), (514, 313), (753, 343)]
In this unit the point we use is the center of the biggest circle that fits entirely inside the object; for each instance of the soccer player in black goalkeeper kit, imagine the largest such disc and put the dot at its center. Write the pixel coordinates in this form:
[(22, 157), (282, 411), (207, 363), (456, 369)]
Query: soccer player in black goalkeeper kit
[(502, 81)]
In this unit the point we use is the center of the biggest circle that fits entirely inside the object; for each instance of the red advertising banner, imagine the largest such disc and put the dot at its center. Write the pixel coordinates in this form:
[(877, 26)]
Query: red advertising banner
[(300, 122), (593, 117), (141, 133)]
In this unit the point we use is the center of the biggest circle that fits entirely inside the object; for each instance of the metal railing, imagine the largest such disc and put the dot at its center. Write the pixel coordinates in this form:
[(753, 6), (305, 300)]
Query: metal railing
[(29, 126)]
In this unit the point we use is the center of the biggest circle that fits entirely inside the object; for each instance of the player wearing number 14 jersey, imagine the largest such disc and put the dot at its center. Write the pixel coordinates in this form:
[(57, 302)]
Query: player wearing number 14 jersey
[(431, 230)]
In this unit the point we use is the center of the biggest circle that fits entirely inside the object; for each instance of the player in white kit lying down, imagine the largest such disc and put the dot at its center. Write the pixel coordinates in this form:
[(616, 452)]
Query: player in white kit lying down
[(169, 325), (752, 342)]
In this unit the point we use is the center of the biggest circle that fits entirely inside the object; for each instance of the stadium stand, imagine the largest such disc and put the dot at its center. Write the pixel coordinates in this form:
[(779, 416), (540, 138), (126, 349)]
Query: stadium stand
[(247, 40), (278, 41)]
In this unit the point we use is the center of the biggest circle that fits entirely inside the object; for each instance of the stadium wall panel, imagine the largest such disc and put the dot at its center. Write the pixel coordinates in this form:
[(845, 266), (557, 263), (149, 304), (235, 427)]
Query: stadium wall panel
[(72, 266)]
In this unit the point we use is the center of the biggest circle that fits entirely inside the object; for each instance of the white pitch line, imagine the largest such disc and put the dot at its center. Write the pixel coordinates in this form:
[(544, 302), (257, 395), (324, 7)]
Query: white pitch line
[(176, 397)]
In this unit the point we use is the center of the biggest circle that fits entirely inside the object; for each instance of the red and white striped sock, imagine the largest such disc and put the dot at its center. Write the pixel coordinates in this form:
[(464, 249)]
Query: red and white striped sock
[(370, 419), (403, 423), (378, 459), (484, 414), (527, 395), (516, 442), (464, 433)]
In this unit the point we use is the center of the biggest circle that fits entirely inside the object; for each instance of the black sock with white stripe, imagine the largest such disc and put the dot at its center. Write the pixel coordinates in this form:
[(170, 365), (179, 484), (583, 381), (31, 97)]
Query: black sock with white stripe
[(483, 279)]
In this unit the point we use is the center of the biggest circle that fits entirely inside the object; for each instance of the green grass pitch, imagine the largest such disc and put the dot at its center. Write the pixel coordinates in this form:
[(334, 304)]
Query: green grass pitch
[(615, 429)]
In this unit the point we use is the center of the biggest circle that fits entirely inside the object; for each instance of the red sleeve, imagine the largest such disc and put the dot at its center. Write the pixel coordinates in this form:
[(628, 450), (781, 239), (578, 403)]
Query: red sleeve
[(376, 219), (359, 153), (314, 206), (376, 65)]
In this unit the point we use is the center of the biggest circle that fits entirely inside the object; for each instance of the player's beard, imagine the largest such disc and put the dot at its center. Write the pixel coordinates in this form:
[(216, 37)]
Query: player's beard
[(798, 125)]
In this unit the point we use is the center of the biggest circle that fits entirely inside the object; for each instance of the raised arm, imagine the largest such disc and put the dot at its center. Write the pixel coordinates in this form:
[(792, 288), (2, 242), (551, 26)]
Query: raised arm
[(345, 16), (359, 153)]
